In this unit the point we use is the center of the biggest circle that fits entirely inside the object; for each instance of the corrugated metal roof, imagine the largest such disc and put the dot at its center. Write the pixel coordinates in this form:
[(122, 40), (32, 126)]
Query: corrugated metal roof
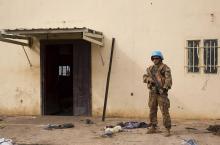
[(52, 33), (32, 31)]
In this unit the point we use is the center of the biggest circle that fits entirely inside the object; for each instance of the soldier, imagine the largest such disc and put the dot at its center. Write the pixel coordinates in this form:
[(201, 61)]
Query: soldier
[(159, 81)]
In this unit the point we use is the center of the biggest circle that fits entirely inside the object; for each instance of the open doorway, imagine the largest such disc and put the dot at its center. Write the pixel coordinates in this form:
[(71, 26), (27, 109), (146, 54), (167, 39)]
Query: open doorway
[(66, 77)]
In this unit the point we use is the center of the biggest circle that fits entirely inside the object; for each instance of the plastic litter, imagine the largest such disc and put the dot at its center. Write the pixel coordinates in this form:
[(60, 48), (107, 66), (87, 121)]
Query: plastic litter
[(110, 131), (4, 141), (189, 142)]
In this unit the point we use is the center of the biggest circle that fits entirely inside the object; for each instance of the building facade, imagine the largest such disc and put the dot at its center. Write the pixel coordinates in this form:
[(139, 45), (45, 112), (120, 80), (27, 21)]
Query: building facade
[(187, 33)]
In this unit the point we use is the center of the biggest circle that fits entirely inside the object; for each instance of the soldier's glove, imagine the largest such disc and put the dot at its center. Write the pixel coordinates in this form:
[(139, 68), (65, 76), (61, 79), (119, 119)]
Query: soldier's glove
[(163, 91), (151, 82), (145, 78)]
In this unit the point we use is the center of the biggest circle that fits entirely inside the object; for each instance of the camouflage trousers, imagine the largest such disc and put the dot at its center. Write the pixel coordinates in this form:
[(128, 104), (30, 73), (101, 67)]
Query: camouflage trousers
[(164, 104)]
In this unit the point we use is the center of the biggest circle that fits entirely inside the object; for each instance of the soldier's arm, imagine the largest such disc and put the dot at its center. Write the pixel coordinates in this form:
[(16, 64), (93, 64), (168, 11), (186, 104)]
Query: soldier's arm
[(168, 78), (148, 79), (145, 78)]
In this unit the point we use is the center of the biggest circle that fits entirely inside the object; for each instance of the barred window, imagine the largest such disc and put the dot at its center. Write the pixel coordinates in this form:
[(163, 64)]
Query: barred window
[(210, 55), (64, 70), (193, 55)]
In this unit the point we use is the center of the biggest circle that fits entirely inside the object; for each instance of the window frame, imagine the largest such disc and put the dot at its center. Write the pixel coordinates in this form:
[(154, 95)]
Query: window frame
[(64, 70), (205, 62), (201, 58), (197, 66)]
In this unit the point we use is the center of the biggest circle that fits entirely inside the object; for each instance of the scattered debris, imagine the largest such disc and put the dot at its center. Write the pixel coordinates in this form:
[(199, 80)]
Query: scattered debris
[(2, 126), (4, 141), (190, 128), (2, 118), (110, 126), (214, 129), (58, 126), (133, 125), (33, 117), (189, 142), (88, 121), (108, 132)]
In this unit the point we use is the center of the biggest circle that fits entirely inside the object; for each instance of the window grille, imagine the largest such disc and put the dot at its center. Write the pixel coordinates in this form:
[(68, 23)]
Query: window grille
[(64, 70), (210, 55), (193, 55)]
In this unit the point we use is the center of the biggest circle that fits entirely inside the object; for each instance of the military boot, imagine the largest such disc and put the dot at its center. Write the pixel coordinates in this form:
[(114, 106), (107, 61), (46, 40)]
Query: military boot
[(152, 130), (167, 132)]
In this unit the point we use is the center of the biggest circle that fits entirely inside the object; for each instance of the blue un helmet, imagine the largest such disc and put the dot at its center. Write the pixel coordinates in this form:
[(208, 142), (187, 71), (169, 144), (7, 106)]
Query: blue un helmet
[(157, 54)]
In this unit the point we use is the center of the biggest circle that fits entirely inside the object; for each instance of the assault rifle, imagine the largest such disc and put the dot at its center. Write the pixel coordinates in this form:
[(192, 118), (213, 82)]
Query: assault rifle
[(159, 89)]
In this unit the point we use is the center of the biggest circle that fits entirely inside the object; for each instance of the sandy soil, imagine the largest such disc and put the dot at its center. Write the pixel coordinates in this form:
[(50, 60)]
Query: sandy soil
[(30, 130)]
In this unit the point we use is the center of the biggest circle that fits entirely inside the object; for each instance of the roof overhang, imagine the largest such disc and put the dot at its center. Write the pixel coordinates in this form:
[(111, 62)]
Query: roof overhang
[(18, 36)]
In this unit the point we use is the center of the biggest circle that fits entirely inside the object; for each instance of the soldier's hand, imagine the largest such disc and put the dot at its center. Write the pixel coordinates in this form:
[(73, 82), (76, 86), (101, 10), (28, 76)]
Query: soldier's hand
[(145, 78), (162, 91), (150, 81)]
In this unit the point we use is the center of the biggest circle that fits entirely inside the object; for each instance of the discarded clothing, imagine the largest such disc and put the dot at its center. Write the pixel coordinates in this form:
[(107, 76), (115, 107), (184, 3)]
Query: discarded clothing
[(110, 131), (4, 141), (59, 126), (133, 125), (190, 142), (214, 129)]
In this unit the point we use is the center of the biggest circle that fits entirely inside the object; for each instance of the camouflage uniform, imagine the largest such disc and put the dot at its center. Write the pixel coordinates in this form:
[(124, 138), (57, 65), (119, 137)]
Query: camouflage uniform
[(162, 74)]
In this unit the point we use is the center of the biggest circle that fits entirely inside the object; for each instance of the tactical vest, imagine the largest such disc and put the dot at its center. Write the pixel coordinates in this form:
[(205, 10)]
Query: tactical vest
[(159, 74)]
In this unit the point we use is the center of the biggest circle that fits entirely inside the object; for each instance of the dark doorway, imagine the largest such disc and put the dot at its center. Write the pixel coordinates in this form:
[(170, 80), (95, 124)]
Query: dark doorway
[(66, 77)]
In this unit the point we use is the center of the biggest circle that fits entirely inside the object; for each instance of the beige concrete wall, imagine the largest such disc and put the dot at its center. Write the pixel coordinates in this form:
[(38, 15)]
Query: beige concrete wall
[(19, 83), (139, 27)]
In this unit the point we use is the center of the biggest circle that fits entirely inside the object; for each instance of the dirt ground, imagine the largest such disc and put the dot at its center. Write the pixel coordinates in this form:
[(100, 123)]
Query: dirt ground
[(30, 130)]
